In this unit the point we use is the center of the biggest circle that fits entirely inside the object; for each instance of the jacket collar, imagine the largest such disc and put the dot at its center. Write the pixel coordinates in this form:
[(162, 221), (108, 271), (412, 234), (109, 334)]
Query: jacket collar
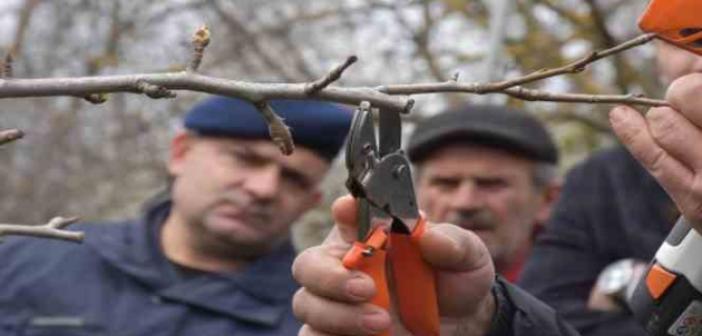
[(259, 293)]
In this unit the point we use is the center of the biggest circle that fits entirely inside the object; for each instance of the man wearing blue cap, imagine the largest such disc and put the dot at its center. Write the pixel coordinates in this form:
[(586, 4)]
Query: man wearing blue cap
[(212, 258)]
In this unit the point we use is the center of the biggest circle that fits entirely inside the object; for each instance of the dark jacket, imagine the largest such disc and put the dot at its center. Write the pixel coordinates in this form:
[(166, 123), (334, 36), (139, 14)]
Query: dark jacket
[(118, 282), (520, 314), (610, 209)]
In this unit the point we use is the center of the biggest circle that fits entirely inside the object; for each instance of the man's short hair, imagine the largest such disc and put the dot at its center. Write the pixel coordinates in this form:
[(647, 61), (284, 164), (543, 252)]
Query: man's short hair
[(501, 127), (319, 126)]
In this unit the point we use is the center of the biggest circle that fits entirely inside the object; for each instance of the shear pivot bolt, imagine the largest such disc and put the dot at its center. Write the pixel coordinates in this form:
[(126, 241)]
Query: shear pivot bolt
[(398, 171)]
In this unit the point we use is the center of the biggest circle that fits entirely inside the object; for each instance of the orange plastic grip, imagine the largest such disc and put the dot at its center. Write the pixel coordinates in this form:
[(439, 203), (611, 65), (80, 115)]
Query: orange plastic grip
[(415, 284), (668, 18), (372, 264)]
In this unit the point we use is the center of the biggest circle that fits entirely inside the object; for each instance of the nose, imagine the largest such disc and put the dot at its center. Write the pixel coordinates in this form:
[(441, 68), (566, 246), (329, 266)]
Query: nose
[(263, 183), (467, 196)]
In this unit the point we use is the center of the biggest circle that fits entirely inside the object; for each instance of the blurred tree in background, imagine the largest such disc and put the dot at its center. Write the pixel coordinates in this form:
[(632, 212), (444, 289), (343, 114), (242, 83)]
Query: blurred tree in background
[(105, 160)]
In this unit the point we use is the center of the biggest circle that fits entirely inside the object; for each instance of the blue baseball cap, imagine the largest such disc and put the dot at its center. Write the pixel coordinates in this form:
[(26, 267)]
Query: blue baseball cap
[(316, 125)]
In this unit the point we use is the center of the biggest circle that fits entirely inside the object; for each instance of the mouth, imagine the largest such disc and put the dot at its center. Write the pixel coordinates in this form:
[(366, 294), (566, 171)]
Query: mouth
[(476, 227)]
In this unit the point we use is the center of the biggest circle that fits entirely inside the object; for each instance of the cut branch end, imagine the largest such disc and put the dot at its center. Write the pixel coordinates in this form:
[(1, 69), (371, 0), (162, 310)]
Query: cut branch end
[(10, 135)]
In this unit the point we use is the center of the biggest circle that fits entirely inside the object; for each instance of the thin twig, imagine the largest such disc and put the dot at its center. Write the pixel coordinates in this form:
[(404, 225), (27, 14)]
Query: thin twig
[(279, 132), (331, 77), (519, 92), (574, 67), (537, 95), (10, 135), (52, 229)]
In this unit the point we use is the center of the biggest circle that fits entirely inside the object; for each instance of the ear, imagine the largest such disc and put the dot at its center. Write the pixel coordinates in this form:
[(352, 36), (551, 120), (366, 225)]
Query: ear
[(180, 145), (549, 196)]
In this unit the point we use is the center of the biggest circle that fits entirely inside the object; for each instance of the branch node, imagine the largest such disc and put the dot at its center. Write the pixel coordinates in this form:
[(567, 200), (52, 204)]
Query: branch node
[(154, 91), (200, 40), (408, 106), (280, 133), (10, 135), (382, 89), (331, 77), (96, 98)]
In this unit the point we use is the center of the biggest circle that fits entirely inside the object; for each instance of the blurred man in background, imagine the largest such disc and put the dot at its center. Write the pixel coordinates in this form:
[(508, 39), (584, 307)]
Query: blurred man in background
[(491, 170), (212, 258)]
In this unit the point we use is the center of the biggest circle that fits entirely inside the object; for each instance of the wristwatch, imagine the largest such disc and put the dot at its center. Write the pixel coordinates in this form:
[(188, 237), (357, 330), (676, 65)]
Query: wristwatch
[(619, 279)]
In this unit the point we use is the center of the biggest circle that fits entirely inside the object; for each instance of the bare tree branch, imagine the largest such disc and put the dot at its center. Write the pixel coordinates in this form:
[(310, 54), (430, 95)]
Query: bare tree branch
[(163, 85), (52, 229), (83, 86), (380, 96)]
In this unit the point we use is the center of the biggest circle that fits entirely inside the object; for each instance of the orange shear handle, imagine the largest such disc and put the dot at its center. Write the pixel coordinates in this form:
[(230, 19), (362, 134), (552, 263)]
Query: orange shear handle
[(414, 282), (667, 18), (370, 257), (414, 279)]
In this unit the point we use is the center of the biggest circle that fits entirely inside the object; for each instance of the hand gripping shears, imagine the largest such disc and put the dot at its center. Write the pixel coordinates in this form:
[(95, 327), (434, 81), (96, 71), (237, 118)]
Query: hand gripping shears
[(676, 21), (389, 222)]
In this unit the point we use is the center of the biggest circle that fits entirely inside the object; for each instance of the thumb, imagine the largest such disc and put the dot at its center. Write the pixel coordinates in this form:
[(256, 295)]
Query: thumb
[(464, 268), (451, 248)]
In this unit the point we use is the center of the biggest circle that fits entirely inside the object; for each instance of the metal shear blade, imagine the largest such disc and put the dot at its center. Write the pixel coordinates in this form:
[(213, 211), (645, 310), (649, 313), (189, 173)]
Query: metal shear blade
[(379, 172)]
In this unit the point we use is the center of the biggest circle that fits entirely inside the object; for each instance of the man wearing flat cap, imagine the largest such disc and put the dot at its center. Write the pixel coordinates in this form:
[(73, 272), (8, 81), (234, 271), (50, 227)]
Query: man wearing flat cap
[(212, 258), (491, 170), (485, 178)]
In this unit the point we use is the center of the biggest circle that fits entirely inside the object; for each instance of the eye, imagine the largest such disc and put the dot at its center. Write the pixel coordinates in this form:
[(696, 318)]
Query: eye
[(491, 182), (244, 157), (296, 179), (445, 183)]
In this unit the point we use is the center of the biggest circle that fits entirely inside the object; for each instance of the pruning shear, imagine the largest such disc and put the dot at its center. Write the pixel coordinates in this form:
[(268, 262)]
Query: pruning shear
[(389, 222), (675, 21)]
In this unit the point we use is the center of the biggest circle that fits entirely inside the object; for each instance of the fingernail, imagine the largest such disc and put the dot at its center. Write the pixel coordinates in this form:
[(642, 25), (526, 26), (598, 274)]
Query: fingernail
[(375, 322), (359, 287)]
